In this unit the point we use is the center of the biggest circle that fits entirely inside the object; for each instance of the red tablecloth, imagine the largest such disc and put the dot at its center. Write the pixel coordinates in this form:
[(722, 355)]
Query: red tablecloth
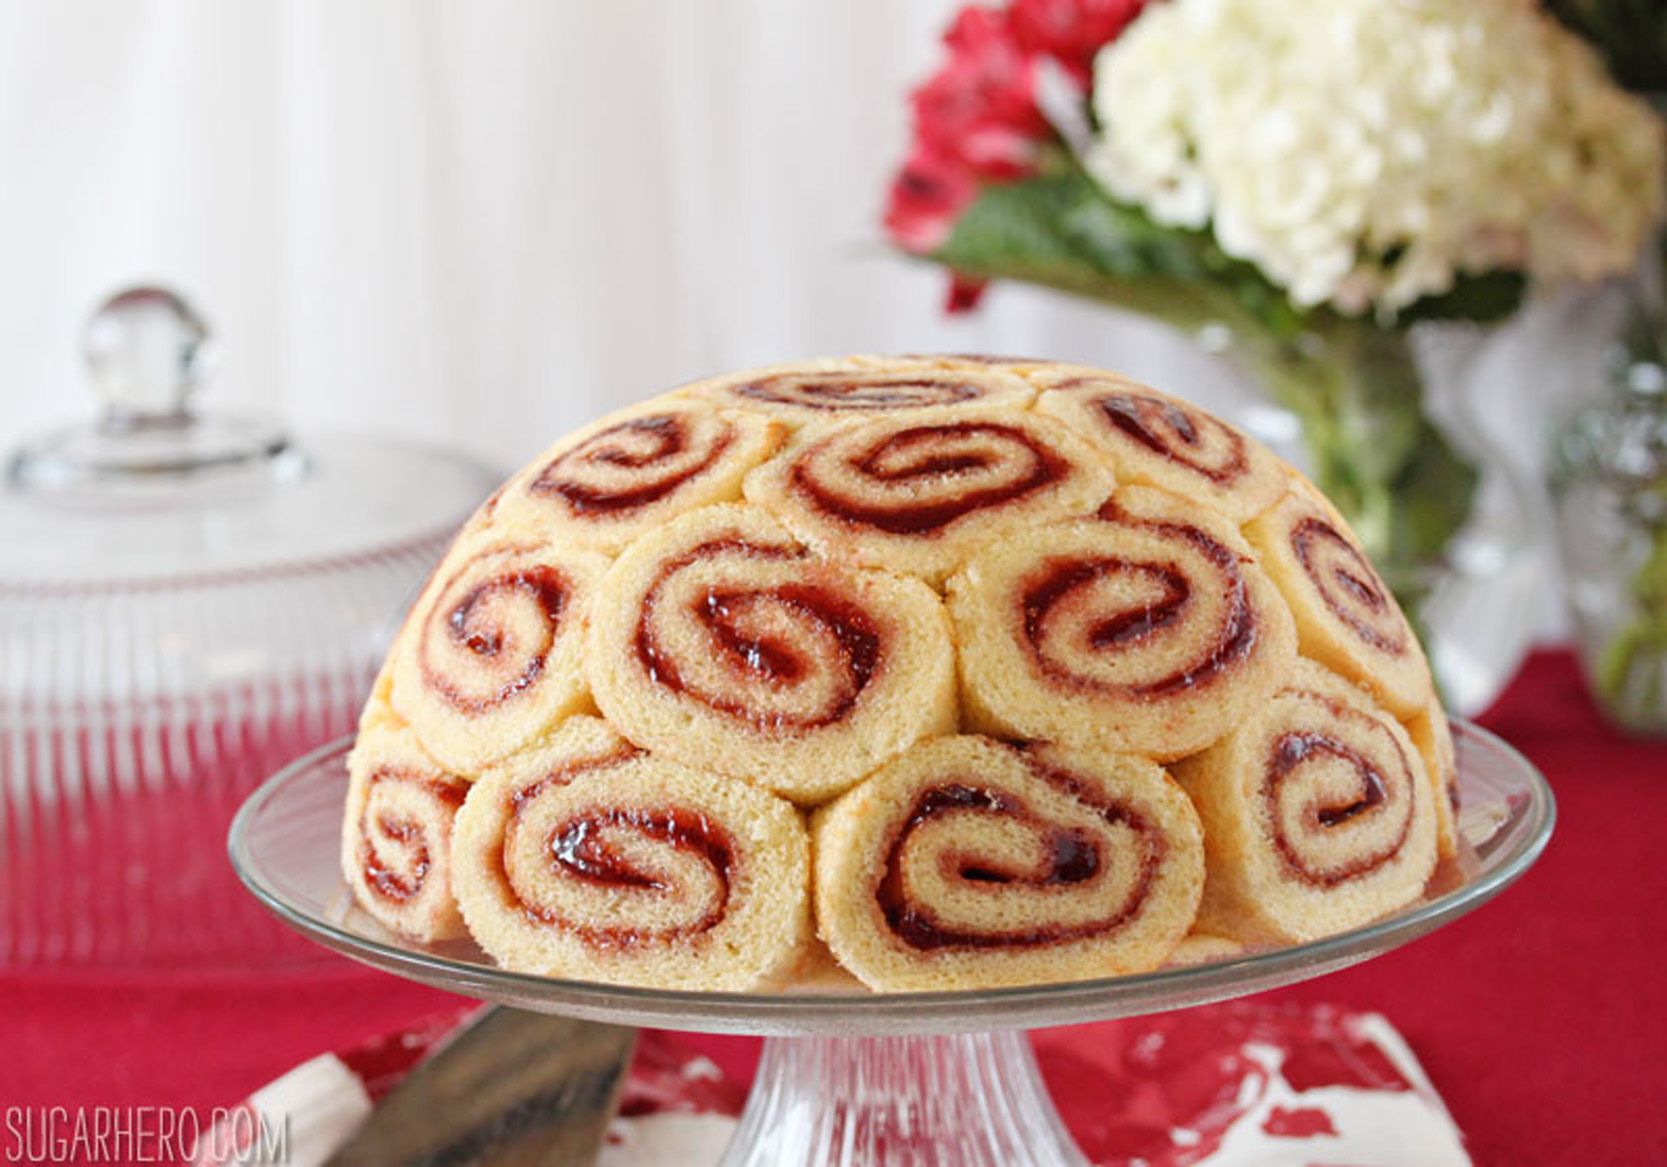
[(1541, 1018)]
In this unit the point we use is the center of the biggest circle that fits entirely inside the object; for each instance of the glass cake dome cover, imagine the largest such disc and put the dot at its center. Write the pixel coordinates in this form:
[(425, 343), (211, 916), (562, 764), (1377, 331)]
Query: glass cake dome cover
[(187, 600)]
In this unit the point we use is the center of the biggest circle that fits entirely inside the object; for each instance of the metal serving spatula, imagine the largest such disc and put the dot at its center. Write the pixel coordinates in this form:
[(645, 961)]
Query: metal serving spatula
[(511, 1089)]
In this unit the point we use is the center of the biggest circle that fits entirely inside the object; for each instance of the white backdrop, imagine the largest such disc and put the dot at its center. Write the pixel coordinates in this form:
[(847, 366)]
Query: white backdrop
[(479, 223)]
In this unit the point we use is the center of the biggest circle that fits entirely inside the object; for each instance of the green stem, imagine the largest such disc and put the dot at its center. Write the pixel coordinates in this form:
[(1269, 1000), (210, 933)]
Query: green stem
[(1632, 668), (1355, 389)]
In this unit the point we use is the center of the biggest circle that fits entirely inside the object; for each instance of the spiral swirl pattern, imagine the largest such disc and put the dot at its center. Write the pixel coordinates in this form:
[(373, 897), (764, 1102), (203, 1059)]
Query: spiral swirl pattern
[(490, 654), (1166, 442), (920, 496), (783, 655), (589, 858), (983, 862), (1346, 616), (628, 474), (1301, 764), (396, 838), (1149, 631), (1347, 584), (804, 393), (1318, 813), (723, 642)]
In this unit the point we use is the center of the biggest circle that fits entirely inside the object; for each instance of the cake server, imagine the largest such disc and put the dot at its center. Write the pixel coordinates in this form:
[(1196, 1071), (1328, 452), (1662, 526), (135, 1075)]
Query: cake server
[(508, 1089)]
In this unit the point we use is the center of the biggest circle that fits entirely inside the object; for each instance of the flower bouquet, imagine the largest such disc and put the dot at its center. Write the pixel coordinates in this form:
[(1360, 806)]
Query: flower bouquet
[(1308, 179)]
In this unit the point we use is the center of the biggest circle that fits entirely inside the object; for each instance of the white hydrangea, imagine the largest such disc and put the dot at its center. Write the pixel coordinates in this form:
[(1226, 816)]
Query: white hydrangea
[(1363, 153)]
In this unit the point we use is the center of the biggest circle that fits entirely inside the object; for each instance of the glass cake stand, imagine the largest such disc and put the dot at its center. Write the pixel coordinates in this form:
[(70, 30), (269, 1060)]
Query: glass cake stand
[(850, 1076)]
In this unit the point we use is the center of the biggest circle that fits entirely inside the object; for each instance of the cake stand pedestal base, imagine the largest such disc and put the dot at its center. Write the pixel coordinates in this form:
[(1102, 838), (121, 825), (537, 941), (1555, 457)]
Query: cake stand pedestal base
[(964, 1100)]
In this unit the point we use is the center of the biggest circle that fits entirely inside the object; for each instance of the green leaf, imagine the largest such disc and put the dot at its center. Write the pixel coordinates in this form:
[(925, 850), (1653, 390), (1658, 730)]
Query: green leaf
[(1060, 230), (1482, 299)]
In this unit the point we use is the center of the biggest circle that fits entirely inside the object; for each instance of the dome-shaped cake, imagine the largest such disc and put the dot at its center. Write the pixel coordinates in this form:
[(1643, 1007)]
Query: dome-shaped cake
[(978, 672)]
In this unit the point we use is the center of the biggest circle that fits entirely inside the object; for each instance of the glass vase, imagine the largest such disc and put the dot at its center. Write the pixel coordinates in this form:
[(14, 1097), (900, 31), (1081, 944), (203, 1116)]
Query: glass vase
[(1384, 421), (1609, 480)]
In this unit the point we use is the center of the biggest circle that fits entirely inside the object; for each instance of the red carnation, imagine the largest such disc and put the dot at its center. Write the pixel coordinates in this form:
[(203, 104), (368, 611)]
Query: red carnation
[(980, 107), (976, 120), (927, 196), (1071, 31)]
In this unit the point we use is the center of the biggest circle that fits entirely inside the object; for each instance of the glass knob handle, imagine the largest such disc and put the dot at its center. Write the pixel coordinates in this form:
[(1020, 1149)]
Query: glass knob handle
[(147, 350)]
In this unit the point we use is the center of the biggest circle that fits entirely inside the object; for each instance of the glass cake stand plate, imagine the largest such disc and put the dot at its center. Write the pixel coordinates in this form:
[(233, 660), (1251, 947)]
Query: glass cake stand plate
[(851, 1076)]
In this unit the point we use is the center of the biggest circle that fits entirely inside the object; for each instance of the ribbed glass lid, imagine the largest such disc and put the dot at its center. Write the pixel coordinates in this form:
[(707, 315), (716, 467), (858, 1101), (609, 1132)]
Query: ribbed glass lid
[(155, 488)]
